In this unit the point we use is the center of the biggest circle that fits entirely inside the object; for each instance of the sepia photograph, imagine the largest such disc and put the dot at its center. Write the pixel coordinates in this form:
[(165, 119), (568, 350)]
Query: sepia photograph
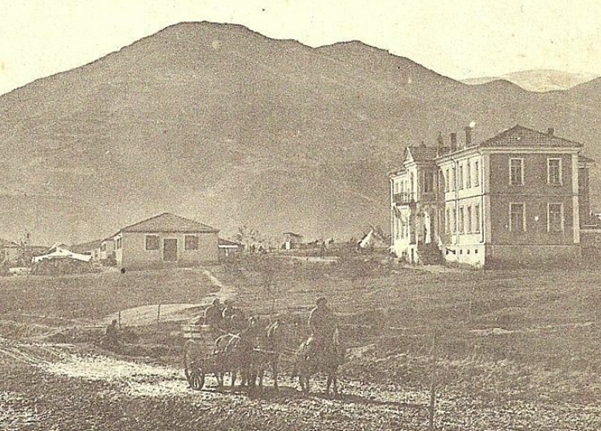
[(300, 215)]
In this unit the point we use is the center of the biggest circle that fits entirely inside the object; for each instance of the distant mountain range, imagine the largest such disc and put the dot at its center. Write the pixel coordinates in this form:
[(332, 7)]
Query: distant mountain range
[(539, 80), (224, 125)]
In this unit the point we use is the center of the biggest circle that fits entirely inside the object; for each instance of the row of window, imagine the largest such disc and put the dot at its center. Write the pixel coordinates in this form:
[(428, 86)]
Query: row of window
[(554, 172), (468, 220), (517, 217), (153, 242), (402, 229), (409, 187), (469, 176)]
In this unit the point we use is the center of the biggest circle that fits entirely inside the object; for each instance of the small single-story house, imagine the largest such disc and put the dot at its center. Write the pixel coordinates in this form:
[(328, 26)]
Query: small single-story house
[(9, 251), (292, 240), (229, 248), (91, 248), (106, 252), (165, 240)]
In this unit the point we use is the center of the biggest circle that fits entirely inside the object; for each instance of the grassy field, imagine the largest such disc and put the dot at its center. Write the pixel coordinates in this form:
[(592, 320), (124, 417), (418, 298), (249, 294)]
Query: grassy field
[(514, 349), (94, 296)]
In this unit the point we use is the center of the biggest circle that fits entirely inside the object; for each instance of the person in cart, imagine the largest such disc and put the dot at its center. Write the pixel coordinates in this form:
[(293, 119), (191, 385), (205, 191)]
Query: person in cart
[(213, 317)]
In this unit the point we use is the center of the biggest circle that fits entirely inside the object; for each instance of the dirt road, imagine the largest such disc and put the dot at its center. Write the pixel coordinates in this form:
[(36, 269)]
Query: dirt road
[(61, 387), (58, 387), (147, 314)]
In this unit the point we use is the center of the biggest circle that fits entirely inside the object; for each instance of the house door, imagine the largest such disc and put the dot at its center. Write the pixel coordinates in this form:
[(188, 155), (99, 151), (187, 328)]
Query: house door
[(170, 250)]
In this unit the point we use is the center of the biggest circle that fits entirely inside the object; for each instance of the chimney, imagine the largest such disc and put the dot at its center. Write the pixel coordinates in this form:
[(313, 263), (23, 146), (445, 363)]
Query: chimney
[(550, 131), (453, 141), (468, 136), (440, 140)]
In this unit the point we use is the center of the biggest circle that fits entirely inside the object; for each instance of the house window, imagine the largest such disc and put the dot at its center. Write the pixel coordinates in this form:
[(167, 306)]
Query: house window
[(428, 182), (191, 242), (460, 177), (447, 181), (454, 220), (118, 243), (454, 179), (468, 229), (555, 218), (517, 218), (476, 173), (448, 221), (554, 172), (516, 172), (468, 176), (152, 242), (461, 220), (477, 218)]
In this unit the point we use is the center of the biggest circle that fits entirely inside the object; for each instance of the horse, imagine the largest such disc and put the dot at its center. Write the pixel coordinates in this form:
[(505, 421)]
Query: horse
[(271, 347), (327, 361), (234, 352)]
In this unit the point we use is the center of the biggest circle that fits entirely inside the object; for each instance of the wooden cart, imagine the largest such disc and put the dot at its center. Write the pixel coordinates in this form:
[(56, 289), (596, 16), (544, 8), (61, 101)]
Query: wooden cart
[(200, 357)]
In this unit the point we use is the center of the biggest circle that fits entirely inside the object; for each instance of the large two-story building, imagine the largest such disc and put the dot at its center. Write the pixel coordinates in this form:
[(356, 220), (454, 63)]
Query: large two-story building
[(519, 197)]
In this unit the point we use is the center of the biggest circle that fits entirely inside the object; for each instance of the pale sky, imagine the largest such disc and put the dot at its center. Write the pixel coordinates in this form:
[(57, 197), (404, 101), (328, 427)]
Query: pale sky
[(458, 38)]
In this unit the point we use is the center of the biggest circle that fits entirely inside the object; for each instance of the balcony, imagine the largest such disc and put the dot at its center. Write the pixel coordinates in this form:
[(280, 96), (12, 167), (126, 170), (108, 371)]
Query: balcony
[(404, 198)]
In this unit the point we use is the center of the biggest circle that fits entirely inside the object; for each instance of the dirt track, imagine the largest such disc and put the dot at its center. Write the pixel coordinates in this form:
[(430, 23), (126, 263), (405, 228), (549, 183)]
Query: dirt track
[(52, 387), (147, 314)]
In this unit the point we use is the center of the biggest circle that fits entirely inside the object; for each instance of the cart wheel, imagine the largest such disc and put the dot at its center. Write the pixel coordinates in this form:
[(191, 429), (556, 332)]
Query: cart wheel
[(196, 379)]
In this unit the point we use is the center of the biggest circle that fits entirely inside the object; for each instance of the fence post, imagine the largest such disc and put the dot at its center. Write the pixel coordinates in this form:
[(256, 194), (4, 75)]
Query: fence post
[(158, 316), (432, 406)]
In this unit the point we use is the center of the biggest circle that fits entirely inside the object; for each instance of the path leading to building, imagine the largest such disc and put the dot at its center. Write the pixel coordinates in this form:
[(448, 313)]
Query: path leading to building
[(182, 312)]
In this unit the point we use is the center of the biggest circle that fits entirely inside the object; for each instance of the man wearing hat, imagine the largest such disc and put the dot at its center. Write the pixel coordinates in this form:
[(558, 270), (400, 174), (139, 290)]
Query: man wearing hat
[(213, 317), (322, 324)]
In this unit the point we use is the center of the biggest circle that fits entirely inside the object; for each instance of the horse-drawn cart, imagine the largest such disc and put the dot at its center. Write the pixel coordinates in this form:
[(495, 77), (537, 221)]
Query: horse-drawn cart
[(200, 357)]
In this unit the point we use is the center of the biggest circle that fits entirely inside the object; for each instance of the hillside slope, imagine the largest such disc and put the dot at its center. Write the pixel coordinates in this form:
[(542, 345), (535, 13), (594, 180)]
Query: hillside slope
[(218, 123), (539, 80)]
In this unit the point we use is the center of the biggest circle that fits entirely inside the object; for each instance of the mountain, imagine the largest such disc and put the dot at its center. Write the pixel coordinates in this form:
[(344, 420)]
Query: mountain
[(221, 124), (539, 80)]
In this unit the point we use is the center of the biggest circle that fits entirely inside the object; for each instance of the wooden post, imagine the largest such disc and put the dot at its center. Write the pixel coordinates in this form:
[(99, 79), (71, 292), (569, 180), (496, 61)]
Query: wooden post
[(119, 319), (432, 406), (158, 315)]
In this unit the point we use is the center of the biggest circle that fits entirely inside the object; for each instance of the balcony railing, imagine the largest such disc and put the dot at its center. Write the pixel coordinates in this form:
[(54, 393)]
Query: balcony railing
[(404, 198)]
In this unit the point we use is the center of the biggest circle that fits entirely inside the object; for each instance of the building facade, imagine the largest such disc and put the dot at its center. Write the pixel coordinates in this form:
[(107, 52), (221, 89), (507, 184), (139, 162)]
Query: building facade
[(519, 197), (165, 240), (9, 252)]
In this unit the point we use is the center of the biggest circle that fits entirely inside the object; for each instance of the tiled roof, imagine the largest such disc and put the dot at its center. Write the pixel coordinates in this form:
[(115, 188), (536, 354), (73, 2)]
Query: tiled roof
[(168, 222), (522, 136), (422, 153), (86, 246)]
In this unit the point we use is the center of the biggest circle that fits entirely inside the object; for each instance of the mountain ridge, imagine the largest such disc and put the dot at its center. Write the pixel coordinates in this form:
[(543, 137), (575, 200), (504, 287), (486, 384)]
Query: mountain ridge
[(205, 121)]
